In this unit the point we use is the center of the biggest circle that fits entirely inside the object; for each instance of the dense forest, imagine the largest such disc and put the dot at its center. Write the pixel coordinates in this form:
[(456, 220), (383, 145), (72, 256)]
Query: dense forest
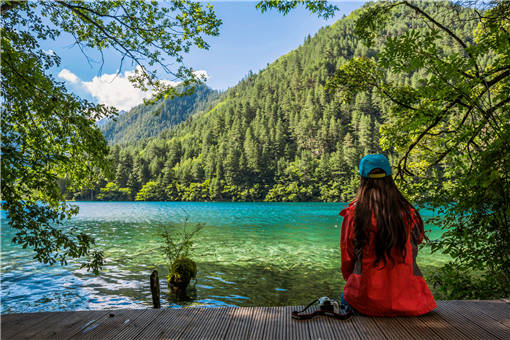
[(145, 121), (278, 135)]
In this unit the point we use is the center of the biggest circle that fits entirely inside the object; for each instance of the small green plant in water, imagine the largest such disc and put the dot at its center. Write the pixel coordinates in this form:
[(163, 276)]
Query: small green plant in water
[(183, 269), (178, 248)]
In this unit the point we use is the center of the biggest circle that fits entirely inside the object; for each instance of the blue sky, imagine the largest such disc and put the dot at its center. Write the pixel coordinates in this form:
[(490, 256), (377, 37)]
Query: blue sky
[(248, 40)]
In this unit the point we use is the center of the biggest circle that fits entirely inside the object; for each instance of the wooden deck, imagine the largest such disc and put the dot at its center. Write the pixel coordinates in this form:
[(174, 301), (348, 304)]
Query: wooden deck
[(450, 320)]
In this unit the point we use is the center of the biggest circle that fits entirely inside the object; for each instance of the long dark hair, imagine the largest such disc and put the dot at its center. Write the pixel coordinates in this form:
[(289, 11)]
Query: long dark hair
[(380, 197)]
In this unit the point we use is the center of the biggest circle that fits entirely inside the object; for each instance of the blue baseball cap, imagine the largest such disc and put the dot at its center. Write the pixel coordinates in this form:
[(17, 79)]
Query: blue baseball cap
[(371, 162)]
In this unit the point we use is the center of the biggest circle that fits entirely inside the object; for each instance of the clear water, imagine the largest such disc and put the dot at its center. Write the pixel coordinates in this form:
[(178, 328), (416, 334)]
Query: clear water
[(249, 254)]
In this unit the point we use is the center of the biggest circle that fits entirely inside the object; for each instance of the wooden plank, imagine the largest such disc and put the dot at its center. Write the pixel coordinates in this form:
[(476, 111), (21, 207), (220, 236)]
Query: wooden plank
[(241, 321), (358, 327), (367, 327), (476, 315), (320, 327), (222, 323), (291, 328), (343, 329), (496, 309), (258, 324), (272, 316), (14, 324), (108, 325), (392, 329), (62, 325), (169, 324), (193, 327), (417, 328), (40, 330), (451, 320), (464, 325), (440, 326), (282, 323), (137, 325), (210, 323), (174, 323)]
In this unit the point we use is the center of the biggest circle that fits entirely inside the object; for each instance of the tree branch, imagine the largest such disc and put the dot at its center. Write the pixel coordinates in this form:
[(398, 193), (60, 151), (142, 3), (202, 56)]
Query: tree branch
[(108, 35), (445, 29), (436, 121), (396, 101), (444, 154), (8, 5), (432, 20), (477, 130), (499, 77)]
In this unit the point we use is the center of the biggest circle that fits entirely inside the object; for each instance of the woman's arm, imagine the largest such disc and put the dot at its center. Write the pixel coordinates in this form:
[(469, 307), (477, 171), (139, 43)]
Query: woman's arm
[(347, 243), (417, 231)]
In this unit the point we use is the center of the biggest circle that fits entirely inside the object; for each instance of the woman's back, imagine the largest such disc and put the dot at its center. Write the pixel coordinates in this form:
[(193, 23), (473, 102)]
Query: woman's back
[(391, 289), (379, 243)]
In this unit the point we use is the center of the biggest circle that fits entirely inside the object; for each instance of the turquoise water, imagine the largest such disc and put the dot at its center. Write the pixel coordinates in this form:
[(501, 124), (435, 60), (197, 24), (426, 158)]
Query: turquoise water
[(248, 254)]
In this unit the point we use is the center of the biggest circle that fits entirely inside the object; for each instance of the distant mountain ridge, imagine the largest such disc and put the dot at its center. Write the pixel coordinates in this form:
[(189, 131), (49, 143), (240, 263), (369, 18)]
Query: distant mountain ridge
[(144, 121)]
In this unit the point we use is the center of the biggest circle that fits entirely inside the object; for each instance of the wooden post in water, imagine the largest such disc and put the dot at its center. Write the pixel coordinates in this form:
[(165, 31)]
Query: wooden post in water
[(155, 289)]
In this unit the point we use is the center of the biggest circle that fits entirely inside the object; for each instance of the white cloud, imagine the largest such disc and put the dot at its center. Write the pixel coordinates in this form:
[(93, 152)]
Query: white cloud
[(69, 76), (201, 74), (116, 89)]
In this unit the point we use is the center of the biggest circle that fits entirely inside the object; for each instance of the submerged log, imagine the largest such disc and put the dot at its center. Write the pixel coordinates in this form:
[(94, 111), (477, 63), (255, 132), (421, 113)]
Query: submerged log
[(155, 289)]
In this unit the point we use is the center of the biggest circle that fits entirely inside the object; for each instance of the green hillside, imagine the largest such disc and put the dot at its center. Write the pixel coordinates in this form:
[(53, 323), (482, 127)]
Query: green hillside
[(150, 120), (277, 135)]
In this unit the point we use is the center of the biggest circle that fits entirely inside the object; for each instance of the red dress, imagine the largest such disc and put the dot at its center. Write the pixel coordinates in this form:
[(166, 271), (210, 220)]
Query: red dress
[(395, 290)]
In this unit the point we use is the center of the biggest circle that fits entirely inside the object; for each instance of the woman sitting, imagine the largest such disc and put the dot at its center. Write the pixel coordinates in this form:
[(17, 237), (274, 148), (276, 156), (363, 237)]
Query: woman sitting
[(379, 242)]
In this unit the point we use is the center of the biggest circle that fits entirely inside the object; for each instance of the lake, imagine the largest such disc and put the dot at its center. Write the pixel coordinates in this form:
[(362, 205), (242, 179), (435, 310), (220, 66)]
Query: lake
[(248, 254)]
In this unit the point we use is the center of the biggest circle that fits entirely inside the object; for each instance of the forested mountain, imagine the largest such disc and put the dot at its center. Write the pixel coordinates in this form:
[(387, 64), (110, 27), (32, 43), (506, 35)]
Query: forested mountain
[(277, 135), (150, 120)]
